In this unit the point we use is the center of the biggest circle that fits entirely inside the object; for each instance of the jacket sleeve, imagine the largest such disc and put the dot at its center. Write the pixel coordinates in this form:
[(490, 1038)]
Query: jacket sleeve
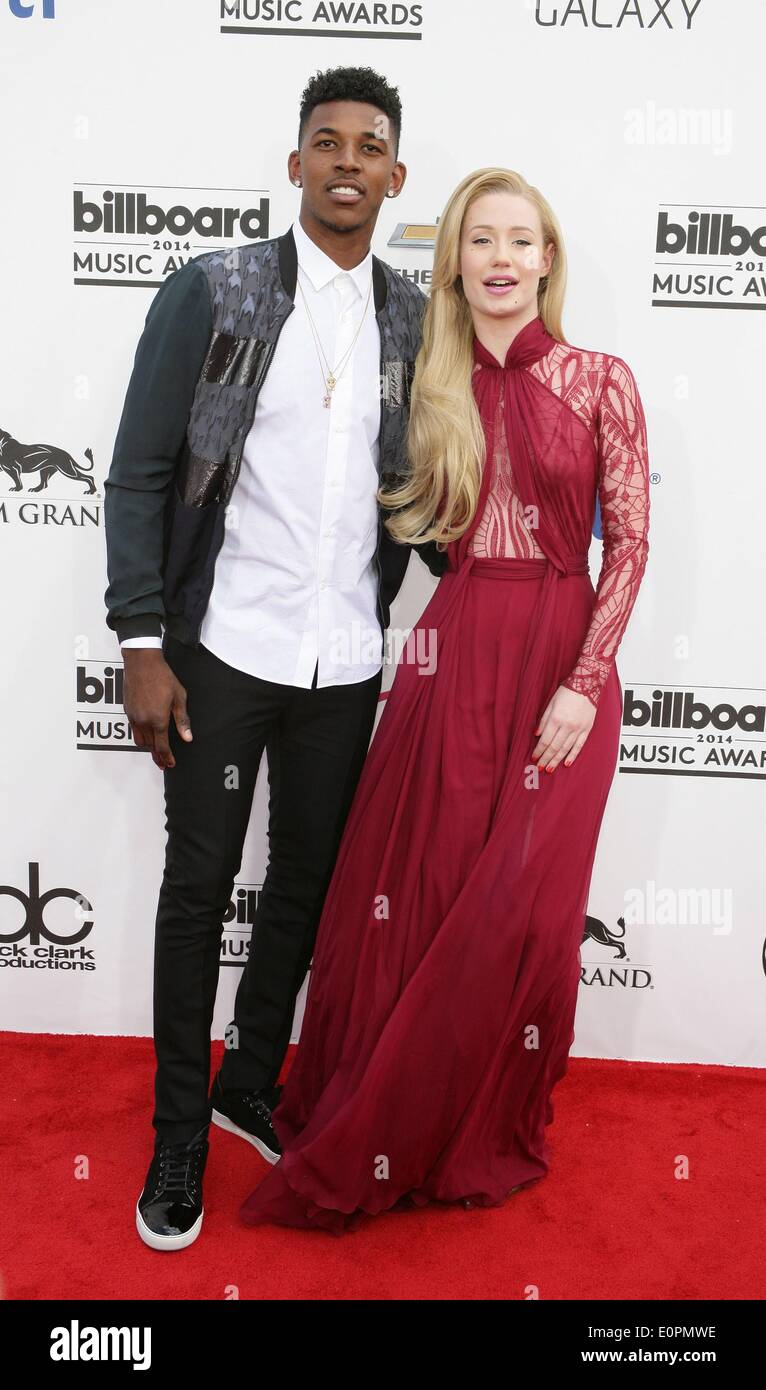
[(168, 361), (436, 560)]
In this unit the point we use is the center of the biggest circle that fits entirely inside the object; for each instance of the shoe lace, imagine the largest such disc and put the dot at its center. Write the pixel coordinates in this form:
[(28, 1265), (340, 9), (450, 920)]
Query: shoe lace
[(179, 1168), (254, 1101)]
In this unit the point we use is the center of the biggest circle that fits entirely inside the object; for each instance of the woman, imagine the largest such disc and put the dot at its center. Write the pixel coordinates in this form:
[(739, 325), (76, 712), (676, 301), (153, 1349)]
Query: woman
[(441, 1006)]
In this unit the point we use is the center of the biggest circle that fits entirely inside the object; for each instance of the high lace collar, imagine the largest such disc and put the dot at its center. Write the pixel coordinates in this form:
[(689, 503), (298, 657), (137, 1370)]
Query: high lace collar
[(531, 343)]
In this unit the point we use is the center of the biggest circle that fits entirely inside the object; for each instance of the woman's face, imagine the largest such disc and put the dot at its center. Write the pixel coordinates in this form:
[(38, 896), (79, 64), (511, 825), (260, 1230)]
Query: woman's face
[(502, 240)]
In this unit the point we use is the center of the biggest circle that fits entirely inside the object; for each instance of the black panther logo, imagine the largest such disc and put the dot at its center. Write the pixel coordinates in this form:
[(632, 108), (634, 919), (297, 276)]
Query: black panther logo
[(596, 930), (46, 459)]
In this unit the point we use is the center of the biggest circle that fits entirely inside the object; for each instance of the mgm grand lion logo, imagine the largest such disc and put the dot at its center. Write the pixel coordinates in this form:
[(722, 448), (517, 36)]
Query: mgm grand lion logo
[(41, 460), (596, 930)]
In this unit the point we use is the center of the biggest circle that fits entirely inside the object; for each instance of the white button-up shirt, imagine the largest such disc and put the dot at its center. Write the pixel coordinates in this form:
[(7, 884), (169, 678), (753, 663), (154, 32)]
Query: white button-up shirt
[(295, 581)]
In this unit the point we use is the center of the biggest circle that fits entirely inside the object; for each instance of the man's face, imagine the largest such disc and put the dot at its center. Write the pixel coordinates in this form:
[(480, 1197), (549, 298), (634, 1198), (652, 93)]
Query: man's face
[(346, 164)]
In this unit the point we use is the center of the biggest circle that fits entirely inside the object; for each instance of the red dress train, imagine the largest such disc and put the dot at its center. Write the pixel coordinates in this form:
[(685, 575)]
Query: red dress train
[(441, 1003)]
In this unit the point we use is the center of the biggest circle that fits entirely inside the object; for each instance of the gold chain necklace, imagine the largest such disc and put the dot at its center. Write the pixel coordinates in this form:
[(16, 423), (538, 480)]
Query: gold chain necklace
[(330, 375)]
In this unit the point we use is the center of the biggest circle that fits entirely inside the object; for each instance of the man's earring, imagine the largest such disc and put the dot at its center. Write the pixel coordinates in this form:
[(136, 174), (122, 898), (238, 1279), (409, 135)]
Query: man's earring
[(297, 183), (391, 193)]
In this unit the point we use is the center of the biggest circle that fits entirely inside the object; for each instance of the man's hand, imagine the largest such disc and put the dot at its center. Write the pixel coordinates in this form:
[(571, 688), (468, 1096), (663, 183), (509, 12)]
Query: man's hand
[(563, 728), (152, 694)]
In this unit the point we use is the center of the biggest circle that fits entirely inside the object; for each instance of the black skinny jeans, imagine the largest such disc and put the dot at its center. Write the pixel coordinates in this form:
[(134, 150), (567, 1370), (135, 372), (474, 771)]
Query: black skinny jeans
[(316, 742)]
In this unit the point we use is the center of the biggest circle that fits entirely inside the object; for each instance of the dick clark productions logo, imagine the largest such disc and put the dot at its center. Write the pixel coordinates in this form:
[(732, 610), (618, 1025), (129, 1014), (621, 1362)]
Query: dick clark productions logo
[(63, 951)]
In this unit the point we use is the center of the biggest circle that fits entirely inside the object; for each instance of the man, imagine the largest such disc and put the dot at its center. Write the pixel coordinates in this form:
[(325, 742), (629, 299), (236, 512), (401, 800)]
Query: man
[(268, 401)]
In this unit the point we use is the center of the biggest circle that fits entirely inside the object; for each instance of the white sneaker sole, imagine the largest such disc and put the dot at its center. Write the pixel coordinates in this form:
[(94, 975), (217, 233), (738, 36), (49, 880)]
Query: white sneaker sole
[(224, 1122), (156, 1242)]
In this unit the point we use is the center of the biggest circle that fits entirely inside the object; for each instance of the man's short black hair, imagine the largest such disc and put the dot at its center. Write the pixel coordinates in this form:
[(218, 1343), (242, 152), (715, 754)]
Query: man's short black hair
[(352, 84)]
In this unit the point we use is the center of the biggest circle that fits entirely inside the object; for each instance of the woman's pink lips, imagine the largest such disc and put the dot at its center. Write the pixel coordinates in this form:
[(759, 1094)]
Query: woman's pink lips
[(501, 289)]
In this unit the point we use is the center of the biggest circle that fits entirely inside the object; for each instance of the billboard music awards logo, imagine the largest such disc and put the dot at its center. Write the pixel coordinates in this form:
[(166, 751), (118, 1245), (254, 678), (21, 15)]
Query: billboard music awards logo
[(137, 234), (709, 257), (101, 724), (38, 936), (238, 923), (699, 731), (318, 19)]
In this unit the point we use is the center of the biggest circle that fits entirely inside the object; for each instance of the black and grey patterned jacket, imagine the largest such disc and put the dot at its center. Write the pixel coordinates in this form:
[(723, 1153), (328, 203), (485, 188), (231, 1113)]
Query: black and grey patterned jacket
[(207, 344)]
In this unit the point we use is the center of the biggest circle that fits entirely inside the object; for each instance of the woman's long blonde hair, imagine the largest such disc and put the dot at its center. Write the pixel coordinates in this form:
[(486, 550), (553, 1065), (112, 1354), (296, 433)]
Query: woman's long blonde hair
[(445, 437)]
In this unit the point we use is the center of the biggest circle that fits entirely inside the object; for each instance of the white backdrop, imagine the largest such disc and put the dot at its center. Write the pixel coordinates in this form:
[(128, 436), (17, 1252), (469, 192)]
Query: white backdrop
[(641, 123)]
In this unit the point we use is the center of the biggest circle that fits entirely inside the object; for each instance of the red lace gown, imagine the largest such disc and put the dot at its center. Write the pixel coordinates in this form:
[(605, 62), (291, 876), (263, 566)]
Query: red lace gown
[(441, 1003)]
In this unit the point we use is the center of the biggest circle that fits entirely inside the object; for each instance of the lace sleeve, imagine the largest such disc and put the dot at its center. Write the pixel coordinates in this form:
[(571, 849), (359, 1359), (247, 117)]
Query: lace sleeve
[(623, 491)]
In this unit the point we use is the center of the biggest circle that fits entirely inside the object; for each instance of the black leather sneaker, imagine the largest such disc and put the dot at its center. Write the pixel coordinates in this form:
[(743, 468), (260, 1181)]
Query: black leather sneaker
[(248, 1114), (169, 1210)]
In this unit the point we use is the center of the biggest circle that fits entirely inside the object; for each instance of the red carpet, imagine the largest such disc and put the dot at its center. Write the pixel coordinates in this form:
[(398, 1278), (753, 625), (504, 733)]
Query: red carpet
[(611, 1220)]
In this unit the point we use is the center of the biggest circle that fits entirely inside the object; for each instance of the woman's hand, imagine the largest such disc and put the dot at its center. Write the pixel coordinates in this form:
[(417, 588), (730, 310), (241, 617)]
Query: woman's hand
[(563, 728)]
